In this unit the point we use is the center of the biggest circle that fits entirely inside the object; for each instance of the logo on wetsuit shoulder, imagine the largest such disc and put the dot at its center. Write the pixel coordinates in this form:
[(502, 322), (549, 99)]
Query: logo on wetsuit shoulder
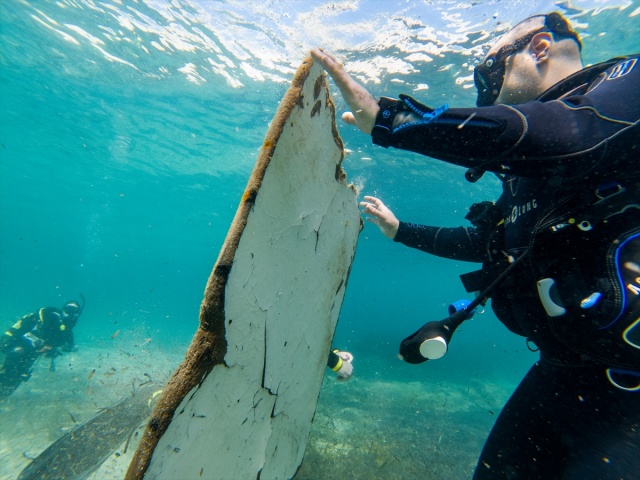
[(621, 69), (519, 210)]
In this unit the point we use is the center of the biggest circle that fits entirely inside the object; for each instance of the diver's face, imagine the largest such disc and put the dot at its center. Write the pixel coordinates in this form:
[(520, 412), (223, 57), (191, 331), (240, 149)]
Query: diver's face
[(69, 320), (521, 79), (509, 73)]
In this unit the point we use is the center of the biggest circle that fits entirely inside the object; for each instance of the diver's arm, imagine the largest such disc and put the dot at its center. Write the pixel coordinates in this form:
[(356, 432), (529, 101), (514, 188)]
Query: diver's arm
[(461, 243), (532, 139), (467, 244)]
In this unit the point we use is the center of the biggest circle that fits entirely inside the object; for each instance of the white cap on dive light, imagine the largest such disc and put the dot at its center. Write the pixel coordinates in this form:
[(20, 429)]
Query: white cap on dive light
[(433, 348)]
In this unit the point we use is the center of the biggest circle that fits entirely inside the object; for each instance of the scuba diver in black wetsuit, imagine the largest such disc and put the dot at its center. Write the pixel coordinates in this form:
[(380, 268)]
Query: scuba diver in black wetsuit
[(560, 248), (46, 332)]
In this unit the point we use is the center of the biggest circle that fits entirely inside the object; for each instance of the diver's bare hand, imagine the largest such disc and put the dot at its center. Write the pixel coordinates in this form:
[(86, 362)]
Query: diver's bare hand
[(364, 107), (380, 216)]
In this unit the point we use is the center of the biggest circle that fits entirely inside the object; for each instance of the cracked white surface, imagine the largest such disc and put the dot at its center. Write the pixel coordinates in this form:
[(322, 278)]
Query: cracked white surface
[(253, 415)]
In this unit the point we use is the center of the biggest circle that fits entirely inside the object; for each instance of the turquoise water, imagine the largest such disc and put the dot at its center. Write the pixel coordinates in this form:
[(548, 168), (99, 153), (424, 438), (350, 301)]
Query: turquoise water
[(128, 130)]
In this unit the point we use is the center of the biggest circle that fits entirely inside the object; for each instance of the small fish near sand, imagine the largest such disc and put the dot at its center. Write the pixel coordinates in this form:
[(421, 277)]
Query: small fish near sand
[(84, 449)]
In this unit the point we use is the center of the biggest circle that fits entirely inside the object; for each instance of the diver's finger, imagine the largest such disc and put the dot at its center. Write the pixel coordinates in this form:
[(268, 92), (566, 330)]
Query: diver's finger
[(349, 118), (371, 210)]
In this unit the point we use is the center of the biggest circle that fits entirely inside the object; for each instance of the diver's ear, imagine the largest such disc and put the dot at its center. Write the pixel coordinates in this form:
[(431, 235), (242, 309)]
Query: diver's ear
[(540, 46)]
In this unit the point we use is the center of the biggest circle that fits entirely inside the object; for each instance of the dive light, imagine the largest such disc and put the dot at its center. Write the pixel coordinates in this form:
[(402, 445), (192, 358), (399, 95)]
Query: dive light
[(431, 341)]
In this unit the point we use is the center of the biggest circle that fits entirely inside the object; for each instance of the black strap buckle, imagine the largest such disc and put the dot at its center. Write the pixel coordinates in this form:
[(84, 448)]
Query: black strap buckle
[(389, 108)]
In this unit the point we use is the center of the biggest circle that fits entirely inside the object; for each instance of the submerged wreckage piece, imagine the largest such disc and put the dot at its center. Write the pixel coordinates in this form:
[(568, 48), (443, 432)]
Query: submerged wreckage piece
[(77, 454), (241, 404)]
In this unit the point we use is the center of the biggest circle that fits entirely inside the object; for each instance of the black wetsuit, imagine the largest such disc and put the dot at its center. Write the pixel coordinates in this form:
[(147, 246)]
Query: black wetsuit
[(565, 420)]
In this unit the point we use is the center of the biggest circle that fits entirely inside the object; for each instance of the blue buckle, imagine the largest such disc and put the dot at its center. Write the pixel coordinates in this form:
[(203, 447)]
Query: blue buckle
[(425, 117)]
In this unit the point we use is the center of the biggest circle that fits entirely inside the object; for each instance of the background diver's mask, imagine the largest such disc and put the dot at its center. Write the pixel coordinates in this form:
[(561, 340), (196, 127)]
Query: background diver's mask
[(489, 75), (70, 314)]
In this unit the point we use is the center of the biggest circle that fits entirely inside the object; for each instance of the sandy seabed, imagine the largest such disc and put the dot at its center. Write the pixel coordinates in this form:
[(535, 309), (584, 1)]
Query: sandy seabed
[(367, 428)]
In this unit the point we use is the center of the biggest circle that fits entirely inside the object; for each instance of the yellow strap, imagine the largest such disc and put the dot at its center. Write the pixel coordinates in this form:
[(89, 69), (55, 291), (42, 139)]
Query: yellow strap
[(338, 365)]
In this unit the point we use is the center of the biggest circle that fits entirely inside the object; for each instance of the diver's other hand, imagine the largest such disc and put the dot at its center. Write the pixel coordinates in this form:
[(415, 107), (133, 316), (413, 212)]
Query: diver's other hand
[(346, 369), (381, 216), (364, 107)]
